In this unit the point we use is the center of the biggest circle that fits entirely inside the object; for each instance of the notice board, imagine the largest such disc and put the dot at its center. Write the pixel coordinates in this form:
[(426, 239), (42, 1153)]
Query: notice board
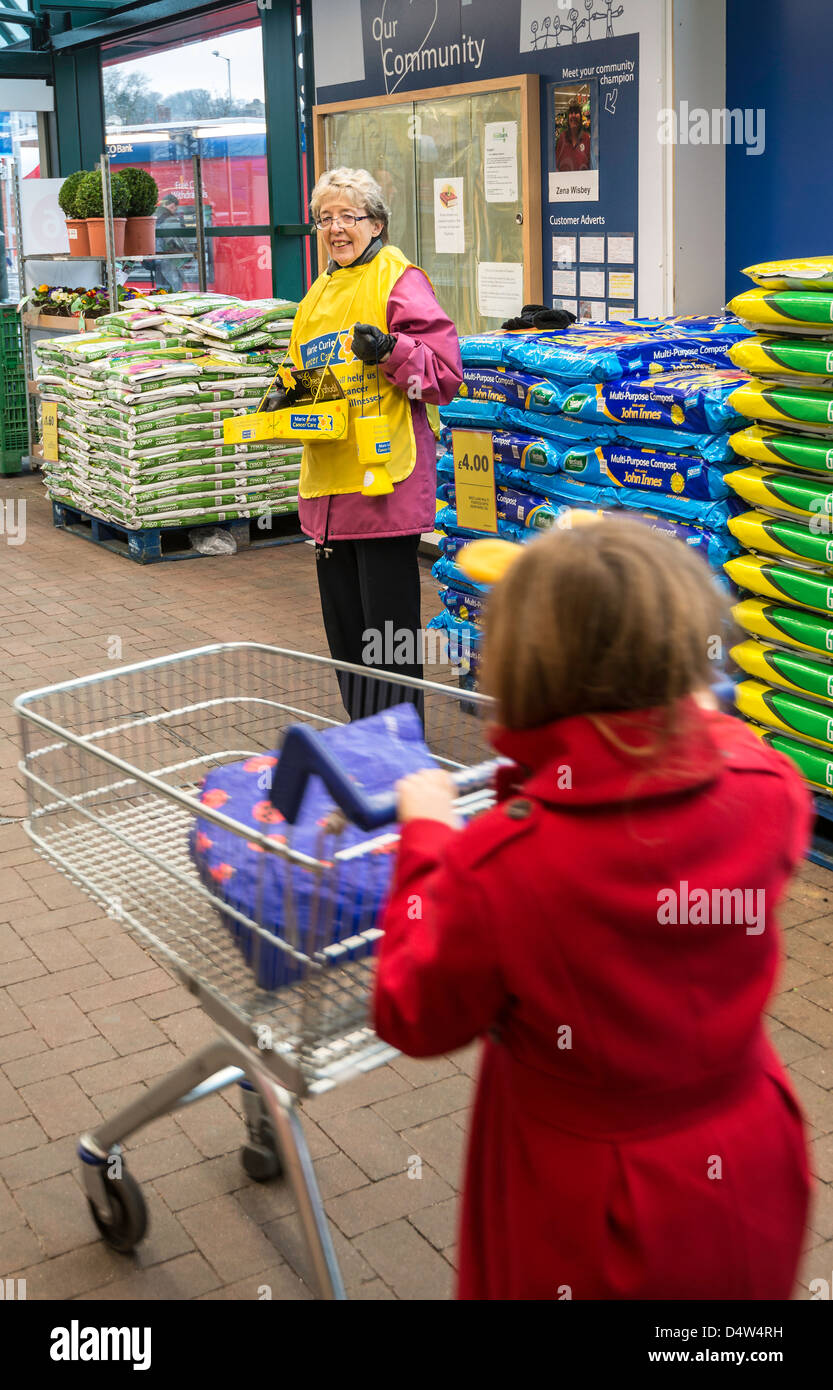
[(460, 168)]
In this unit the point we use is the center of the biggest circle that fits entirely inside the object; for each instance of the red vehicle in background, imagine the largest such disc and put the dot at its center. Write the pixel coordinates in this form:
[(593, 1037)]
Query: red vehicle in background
[(235, 195)]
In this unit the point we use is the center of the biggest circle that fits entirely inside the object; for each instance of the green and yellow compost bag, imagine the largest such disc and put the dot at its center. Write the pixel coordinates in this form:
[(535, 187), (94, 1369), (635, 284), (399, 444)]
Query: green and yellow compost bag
[(766, 445), (781, 709), (785, 310), (786, 583), (803, 358), (795, 627), (812, 762), (812, 273), (778, 536), (803, 674), (800, 407), (791, 493)]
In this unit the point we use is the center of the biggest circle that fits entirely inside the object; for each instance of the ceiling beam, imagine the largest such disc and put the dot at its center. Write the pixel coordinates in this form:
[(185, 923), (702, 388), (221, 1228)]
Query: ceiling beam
[(23, 17), (20, 62), (140, 16)]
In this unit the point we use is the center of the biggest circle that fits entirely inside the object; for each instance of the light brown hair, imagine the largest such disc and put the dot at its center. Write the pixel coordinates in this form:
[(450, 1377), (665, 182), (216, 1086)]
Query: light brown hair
[(600, 619)]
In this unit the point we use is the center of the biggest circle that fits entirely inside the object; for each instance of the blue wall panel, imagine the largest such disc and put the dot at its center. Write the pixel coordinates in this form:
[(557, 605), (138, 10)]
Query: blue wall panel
[(779, 56)]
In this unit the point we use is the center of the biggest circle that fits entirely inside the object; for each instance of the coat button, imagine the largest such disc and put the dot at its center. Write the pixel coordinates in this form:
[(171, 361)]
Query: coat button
[(518, 808)]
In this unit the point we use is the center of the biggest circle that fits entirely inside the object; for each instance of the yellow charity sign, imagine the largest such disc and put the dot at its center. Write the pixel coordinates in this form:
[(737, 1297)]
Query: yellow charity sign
[(474, 480), (49, 421)]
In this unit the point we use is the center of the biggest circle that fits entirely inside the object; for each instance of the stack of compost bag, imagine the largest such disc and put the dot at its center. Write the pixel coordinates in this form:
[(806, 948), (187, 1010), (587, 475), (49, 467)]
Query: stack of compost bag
[(141, 403), (786, 483), (601, 417)]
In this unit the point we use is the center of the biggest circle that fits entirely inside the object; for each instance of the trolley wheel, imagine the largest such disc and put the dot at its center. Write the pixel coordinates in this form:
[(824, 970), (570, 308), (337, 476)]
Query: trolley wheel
[(127, 1222), (260, 1157)]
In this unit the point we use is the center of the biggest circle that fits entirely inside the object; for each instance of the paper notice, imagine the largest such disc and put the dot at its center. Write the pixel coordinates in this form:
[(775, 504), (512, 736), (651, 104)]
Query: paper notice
[(592, 248), (564, 282), (564, 250), (620, 250), (449, 231), (620, 284), (500, 289), (595, 309), (592, 284), (620, 313), (571, 305), (500, 162)]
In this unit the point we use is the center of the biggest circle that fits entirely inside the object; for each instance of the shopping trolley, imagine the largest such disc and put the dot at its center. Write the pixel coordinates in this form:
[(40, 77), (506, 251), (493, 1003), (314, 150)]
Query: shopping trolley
[(113, 765)]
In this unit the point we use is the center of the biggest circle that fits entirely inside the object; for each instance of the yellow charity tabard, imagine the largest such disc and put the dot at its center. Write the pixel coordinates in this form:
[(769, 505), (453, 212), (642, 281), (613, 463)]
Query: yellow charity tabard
[(325, 318)]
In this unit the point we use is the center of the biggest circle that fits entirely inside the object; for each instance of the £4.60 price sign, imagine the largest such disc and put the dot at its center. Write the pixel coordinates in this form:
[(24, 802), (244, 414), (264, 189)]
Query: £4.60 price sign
[(49, 422), (474, 480)]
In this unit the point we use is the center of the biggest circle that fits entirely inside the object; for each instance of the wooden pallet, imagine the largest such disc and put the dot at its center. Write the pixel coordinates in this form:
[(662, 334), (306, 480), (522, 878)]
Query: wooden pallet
[(148, 547)]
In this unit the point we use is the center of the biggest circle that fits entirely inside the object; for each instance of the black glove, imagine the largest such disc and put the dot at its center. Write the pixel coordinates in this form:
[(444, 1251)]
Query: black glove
[(539, 316), (276, 400), (370, 344), (279, 398)]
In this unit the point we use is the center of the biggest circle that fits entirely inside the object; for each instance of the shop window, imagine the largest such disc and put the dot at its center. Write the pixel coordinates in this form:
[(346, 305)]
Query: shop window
[(197, 88)]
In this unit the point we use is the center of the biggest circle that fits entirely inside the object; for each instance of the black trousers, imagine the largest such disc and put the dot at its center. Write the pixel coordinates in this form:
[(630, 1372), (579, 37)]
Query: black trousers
[(370, 602)]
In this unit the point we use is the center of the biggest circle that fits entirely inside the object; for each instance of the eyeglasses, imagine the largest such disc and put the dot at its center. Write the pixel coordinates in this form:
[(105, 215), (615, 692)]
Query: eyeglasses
[(345, 219)]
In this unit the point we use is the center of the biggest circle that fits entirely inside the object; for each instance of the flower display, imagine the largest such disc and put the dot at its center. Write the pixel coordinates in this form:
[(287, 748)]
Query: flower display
[(61, 301)]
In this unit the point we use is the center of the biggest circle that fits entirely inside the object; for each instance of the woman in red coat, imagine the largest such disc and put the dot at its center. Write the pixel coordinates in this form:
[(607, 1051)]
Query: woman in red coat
[(610, 929)]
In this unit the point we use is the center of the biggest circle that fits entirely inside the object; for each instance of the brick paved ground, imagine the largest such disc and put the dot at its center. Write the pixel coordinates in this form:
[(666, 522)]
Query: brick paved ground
[(87, 1018)]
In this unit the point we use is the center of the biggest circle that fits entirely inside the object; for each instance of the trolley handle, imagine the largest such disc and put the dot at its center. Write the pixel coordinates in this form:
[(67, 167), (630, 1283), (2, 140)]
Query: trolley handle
[(306, 754)]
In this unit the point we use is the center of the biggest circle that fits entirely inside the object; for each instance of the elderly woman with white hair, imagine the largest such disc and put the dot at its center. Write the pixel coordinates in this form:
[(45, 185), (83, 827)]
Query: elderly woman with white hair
[(373, 318)]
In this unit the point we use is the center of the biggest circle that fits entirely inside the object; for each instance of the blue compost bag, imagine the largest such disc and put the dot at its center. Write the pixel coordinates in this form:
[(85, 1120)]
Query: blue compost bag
[(696, 401), (684, 475), (474, 415), (446, 572), (598, 354), (467, 606), (446, 520), (492, 415), (483, 349), (712, 516), (558, 427), (282, 896), (507, 387), (715, 548)]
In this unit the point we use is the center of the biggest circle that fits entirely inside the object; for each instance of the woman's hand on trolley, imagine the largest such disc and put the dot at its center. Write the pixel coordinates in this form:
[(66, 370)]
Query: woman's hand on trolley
[(427, 795)]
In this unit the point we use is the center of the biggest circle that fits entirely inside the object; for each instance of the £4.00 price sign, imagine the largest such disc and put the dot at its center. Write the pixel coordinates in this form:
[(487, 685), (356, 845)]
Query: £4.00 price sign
[(474, 480)]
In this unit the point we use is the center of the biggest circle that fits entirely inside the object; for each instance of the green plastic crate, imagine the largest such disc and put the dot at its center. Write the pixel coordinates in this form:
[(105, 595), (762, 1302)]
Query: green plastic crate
[(11, 342), (14, 437)]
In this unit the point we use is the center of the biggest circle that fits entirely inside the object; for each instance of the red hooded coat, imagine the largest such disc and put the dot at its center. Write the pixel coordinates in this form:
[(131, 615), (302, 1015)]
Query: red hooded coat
[(634, 1135)]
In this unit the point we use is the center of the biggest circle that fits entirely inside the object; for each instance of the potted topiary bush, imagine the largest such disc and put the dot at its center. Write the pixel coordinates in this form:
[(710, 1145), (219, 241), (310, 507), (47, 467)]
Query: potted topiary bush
[(90, 203), (79, 242), (140, 235)]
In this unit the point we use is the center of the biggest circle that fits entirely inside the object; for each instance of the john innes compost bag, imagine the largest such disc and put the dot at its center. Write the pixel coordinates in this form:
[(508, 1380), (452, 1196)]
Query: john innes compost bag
[(697, 400)]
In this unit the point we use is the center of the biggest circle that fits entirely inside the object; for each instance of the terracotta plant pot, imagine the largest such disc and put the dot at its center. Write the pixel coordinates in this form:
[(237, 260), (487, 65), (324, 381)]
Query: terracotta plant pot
[(140, 236), (79, 241), (98, 246)]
